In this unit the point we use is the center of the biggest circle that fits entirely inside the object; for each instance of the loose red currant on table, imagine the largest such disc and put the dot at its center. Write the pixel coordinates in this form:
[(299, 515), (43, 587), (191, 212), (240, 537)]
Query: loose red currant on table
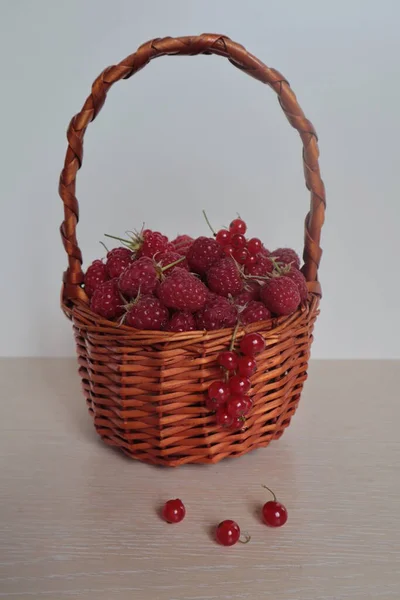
[(273, 512), (254, 245), (246, 366), (218, 394), (223, 237), (238, 226), (239, 384), (223, 418), (238, 406), (174, 511), (228, 360), (252, 344), (228, 533)]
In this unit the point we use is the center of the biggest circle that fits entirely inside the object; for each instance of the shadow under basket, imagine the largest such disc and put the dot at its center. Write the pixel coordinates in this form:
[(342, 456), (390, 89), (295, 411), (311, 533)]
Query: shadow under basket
[(146, 389)]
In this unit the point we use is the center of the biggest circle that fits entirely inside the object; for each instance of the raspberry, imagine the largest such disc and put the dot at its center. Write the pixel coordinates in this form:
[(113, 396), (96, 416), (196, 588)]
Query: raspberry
[(224, 278), (141, 275), (253, 312), (182, 321), (280, 295), (167, 258), (152, 243), (147, 312), (261, 268), (117, 261), (106, 300), (251, 292), (218, 313), (182, 244), (183, 291), (203, 253), (299, 279), (287, 256), (95, 276)]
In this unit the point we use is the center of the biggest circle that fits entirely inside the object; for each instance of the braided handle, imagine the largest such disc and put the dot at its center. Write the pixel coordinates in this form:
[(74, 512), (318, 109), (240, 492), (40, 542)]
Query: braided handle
[(240, 58)]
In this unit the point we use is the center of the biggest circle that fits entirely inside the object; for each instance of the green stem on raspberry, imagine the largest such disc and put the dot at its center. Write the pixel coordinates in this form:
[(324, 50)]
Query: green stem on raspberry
[(208, 222), (173, 264), (114, 237)]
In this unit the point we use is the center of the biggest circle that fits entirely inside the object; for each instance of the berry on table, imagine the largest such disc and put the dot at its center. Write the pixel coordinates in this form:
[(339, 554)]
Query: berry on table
[(239, 384), (238, 226), (254, 312), (273, 512), (280, 295), (228, 533), (246, 366), (223, 418), (203, 253), (223, 237), (106, 300), (147, 313), (252, 344), (174, 511), (96, 274), (224, 278), (228, 360), (183, 291)]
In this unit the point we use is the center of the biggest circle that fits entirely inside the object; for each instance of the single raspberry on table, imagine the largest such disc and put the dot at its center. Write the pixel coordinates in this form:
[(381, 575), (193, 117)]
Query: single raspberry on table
[(287, 256), (299, 279), (168, 258), (147, 312), (107, 301), (224, 278), (182, 321), (254, 312), (183, 291), (263, 267), (117, 261), (250, 292), (96, 274), (218, 313), (280, 295), (203, 253), (182, 244), (139, 276)]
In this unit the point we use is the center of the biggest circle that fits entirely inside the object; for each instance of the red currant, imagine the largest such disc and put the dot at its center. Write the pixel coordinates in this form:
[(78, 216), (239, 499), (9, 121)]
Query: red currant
[(174, 511), (238, 241), (218, 394), (254, 245), (241, 256), (273, 512), (251, 344), (228, 360), (238, 406), (239, 384), (228, 533), (238, 226), (223, 418), (223, 237), (246, 366), (237, 424), (251, 260), (229, 249)]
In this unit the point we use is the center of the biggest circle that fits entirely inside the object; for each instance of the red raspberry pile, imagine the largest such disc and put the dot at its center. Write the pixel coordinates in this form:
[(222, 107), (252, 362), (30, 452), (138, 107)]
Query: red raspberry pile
[(190, 284)]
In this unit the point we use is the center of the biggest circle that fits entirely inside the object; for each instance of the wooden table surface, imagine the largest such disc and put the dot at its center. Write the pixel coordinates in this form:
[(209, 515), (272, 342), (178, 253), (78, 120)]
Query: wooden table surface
[(79, 520)]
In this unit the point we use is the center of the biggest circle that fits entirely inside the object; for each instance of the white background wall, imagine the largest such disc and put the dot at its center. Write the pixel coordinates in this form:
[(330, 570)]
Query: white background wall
[(188, 133)]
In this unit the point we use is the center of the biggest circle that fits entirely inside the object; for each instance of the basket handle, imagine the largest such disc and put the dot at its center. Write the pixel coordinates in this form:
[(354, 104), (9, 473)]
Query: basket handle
[(203, 44)]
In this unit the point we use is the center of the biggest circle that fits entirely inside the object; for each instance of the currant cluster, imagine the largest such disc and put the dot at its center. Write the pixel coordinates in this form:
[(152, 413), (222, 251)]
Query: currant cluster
[(235, 244), (229, 397)]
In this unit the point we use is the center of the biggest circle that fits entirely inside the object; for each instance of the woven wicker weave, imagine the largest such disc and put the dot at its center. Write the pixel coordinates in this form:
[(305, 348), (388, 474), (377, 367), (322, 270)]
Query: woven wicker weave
[(145, 390)]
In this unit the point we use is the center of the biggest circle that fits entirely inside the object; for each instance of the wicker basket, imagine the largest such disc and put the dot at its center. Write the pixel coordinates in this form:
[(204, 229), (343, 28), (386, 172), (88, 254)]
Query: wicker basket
[(145, 390)]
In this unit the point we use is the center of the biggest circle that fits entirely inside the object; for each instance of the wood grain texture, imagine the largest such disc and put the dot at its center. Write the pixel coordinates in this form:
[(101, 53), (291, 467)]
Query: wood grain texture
[(78, 520)]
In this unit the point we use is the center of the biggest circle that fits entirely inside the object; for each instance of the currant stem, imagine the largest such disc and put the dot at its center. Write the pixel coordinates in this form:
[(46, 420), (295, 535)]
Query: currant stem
[(234, 334), (247, 538), (269, 489), (208, 222), (104, 246)]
